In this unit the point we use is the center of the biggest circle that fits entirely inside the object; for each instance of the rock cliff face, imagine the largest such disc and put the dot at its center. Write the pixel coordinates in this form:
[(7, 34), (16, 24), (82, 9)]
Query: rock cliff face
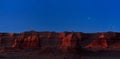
[(62, 40), (100, 42), (71, 41)]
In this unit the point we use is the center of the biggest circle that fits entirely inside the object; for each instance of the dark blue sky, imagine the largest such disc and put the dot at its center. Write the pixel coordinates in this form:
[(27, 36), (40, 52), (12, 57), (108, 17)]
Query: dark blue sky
[(59, 15)]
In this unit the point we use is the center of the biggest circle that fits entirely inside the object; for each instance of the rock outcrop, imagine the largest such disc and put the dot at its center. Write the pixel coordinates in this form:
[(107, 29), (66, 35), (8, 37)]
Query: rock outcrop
[(30, 40), (100, 42), (62, 40), (70, 42)]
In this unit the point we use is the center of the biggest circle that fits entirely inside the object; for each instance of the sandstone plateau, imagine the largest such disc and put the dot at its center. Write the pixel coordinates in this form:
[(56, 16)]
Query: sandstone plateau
[(56, 42), (61, 40)]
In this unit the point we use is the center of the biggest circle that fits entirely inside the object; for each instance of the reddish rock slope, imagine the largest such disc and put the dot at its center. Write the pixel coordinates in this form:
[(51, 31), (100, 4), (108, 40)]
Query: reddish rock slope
[(62, 40)]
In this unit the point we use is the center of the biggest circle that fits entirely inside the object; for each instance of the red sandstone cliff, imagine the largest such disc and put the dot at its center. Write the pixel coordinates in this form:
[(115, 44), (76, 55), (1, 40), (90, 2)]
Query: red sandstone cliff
[(70, 41), (62, 40)]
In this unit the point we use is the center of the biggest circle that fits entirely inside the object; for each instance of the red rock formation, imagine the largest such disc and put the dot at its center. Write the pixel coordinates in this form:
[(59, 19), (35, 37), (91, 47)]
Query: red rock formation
[(96, 43), (62, 35), (31, 41), (79, 36), (70, 42), (16, 44), (63, 40), (101, 41)]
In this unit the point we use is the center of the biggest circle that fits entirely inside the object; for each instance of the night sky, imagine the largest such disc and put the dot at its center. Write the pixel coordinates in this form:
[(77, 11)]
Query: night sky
[(59, 15)]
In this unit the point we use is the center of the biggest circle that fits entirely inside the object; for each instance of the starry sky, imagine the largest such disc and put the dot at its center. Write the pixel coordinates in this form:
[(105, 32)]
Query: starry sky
[(60, 15)]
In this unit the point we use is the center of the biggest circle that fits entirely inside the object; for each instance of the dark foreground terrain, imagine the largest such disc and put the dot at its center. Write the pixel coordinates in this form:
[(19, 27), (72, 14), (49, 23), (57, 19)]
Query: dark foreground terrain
[(8, 53)]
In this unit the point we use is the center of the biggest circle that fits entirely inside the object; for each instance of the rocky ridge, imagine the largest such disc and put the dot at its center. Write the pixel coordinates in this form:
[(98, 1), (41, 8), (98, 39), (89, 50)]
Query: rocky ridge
[(60, 40)]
